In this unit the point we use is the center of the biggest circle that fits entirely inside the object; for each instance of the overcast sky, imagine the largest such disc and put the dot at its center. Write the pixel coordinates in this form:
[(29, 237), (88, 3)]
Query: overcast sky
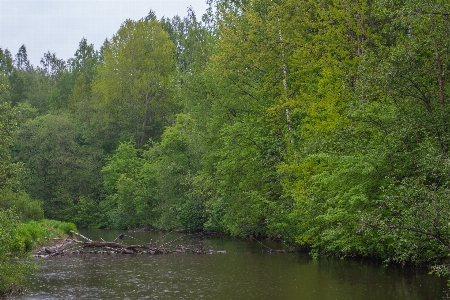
[(59, 25)]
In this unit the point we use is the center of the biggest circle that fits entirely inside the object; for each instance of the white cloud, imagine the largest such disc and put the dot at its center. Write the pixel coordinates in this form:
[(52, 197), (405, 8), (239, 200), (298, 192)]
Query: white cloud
[(59, 25)]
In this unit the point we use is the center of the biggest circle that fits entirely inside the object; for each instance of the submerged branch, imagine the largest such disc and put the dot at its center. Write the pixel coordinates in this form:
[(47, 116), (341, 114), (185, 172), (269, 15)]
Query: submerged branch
[(269, 249), (75, 246)]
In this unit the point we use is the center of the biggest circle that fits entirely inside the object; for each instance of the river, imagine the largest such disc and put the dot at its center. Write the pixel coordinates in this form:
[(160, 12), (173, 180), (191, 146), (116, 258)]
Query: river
[(245, 271)]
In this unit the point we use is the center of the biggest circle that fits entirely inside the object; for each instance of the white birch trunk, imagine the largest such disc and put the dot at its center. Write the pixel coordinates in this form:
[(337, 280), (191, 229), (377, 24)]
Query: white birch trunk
[(285, 88)]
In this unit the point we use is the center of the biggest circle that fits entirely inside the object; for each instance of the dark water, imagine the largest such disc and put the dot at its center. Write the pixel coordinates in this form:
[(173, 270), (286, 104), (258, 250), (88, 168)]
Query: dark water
[(243, 272)]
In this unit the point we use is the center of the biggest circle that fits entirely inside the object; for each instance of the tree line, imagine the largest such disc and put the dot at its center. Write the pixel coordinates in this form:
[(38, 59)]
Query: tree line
[(320, 123)]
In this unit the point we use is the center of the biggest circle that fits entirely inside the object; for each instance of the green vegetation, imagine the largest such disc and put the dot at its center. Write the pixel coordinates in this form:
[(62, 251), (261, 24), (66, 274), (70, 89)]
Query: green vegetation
[(12, 268), (320, 123), (17, 239), (22, 227)]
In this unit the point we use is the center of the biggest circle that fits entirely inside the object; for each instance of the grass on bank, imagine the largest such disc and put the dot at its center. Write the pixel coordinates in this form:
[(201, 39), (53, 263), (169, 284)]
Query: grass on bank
[(17, 240)]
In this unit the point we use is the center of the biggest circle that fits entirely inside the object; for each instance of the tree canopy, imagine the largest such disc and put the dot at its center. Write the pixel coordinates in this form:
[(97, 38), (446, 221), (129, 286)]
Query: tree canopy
[(320, 123)]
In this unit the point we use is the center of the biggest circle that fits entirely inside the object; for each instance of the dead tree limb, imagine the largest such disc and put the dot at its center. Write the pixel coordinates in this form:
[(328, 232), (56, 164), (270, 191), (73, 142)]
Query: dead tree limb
[(75, 246)]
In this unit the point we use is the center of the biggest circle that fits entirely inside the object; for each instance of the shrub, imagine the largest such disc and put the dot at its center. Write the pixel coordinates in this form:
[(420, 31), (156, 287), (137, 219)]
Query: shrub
[(26, 208), (14, 265)]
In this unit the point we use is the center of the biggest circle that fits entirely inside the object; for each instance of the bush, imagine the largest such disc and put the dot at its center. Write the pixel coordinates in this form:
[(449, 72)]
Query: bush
[(26, 208), (89, 214), (14, 265), (16, 242)]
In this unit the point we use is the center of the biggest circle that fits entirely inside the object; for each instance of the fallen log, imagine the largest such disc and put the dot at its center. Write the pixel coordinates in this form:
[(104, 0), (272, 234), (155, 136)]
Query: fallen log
[(80, 246)]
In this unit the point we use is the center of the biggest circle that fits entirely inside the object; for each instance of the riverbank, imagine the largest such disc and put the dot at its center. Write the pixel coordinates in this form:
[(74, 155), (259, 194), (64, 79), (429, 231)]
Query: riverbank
[(17, 243), (34, 235)]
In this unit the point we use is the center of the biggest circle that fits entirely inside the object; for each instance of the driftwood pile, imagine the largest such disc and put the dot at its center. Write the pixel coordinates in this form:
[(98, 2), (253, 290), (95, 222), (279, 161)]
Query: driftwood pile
[(80, 244)]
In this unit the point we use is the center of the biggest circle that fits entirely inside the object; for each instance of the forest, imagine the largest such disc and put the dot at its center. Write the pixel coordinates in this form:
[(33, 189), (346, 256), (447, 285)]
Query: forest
[(323, 124)]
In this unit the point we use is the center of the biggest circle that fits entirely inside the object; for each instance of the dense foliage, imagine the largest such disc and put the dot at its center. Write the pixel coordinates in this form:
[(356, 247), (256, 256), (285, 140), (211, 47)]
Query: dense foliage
[(21, 224), (11, 268), (320, 123), (17, 239)]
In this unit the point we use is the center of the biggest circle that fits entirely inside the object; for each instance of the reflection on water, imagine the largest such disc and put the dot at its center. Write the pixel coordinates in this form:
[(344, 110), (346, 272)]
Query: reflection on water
[(244, 272)]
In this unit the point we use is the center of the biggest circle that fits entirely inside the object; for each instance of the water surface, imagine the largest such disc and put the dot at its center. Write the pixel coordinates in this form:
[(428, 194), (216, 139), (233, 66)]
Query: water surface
[(243, 272)]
